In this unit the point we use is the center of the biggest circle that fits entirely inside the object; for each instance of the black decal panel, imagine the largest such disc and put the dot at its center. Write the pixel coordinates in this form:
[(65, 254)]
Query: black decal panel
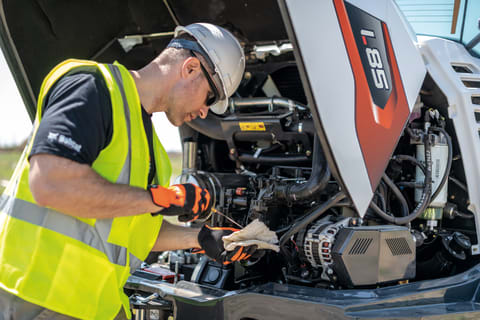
[(368, 34)]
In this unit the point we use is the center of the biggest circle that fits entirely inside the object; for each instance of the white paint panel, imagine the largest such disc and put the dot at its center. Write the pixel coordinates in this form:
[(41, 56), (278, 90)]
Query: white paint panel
[(439, 55), (328, 70)]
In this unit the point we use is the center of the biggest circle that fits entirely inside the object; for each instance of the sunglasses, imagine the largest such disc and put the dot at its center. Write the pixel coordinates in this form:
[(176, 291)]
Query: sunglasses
[(212, 97)]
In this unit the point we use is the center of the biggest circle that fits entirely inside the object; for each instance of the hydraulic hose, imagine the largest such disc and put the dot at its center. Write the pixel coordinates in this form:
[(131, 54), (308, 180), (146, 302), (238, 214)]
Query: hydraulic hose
[(426, 194)]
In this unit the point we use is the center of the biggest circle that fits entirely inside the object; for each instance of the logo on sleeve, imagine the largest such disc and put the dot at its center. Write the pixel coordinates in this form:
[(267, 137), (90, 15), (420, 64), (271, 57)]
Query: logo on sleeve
[(65, 141)]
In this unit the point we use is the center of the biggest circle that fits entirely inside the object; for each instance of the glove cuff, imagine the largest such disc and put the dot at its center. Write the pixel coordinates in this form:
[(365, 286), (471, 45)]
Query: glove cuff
[(161, 196)]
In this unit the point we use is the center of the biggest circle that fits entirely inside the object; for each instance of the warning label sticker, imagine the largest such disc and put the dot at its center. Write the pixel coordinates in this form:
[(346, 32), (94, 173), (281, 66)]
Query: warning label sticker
[(252, 126)]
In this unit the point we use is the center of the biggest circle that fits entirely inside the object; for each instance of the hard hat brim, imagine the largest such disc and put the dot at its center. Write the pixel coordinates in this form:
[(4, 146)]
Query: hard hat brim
[(220, 107)]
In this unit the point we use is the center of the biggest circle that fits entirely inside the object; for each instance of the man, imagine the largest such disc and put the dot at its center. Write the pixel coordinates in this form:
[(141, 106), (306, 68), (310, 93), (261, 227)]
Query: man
[(84, 206)]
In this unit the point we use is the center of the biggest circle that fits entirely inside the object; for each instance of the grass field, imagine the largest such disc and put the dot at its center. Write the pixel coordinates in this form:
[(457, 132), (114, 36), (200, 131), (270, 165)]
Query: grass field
[(9, 158), (8, 161)]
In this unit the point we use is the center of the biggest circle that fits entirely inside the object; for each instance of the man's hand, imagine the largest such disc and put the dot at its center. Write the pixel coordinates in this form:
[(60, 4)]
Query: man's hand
[(187, 201), (210, 240)]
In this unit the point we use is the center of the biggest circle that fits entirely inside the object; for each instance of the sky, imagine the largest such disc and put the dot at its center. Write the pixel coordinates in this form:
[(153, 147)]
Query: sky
[(15, 125)]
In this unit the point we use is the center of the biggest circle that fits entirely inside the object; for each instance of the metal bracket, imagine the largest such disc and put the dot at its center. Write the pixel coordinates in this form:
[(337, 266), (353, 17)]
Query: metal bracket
[(475, 250)]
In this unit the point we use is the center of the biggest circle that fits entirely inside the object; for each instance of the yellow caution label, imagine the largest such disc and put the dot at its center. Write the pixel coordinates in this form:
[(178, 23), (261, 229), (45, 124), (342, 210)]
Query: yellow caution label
[(252, 126)]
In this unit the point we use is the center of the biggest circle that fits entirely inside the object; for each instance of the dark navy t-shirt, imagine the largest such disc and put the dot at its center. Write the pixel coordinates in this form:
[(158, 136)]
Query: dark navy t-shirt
[(77, 120)]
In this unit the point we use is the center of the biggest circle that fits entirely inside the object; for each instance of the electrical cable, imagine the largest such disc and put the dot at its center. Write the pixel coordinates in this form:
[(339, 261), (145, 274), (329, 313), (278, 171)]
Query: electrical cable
[(426, 194)]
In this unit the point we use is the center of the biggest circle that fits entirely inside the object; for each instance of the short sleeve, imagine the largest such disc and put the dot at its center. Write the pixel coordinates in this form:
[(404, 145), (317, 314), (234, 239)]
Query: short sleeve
[(77, 119)]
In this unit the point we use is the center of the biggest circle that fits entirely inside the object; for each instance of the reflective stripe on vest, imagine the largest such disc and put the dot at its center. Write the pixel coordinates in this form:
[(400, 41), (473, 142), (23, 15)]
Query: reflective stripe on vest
[(124, 176), (65, 225)]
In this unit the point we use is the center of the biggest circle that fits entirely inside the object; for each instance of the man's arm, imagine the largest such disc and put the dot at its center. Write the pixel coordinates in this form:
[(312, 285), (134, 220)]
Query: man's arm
[(173, 237), (76, 189)]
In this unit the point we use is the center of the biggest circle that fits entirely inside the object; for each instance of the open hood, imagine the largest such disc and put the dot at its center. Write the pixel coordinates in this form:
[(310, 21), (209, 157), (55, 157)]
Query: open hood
[(362, 75), (38, 34), (358, 65)]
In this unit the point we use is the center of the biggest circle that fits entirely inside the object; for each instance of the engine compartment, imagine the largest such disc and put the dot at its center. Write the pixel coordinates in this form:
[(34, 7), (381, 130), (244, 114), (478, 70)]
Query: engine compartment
[(263, 160)]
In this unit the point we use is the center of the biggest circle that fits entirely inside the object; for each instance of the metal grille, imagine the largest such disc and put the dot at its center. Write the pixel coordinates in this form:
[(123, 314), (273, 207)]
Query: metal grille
[(360, 246), (471, 83), (475, 100), (461, 69), (398, 246), (477, 117)]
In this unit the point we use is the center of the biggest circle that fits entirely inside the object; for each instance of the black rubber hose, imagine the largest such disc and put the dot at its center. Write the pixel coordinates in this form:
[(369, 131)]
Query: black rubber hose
[(449, 161), (318, 179), (317, 212), (249, 158), (425, 198), (381, 198), (397, 194)]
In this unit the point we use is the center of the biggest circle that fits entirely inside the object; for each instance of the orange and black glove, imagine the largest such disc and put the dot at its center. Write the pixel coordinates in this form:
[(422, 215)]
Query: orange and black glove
[(187, 201), (210, 239)]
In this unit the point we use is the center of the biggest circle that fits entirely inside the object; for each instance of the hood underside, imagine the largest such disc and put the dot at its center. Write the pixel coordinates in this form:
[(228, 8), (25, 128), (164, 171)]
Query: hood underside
[(38, 34)]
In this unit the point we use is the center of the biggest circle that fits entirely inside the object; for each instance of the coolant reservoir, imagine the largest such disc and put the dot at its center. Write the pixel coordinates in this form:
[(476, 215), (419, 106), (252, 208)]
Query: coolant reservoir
[(439, 165)]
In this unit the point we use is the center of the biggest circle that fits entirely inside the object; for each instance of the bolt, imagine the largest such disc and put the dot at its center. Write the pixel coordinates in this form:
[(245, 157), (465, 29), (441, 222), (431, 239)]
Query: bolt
[(232, 151), (304, 274), (330, 271), (308, 153)]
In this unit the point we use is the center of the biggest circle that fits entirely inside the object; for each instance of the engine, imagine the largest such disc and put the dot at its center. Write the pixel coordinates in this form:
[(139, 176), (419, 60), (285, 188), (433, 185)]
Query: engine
[(264, 160)]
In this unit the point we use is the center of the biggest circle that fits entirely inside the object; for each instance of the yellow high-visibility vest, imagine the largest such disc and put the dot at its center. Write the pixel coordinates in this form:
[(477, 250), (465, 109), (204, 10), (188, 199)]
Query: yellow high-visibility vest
[(72, 265)]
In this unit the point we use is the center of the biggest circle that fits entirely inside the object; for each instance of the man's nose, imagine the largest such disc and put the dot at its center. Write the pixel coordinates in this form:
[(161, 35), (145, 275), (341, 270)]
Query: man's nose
[(203, 113)]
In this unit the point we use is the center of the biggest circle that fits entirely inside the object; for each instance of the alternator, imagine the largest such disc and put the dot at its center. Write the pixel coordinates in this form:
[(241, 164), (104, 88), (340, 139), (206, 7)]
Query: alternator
[(318, 242)]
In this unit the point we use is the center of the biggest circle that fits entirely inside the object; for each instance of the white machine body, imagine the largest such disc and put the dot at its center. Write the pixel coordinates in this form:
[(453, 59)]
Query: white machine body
[(364, 74)]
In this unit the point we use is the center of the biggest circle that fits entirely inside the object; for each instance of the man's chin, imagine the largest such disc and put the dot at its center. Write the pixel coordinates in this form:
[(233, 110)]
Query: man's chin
[(175, 122)]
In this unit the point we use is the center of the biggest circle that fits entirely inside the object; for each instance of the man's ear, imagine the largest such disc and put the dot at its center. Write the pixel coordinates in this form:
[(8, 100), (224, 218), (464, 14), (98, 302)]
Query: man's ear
[(191, 67)]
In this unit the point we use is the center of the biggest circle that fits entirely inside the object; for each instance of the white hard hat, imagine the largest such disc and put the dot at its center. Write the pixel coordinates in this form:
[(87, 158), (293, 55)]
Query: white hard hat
[(223, 54)]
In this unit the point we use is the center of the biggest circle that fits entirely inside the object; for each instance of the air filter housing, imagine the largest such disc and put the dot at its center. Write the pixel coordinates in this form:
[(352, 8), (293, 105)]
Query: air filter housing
[(373, 254)]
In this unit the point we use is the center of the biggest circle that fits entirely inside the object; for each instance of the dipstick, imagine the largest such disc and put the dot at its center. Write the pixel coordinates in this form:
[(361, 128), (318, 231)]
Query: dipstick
[(227, 217)]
